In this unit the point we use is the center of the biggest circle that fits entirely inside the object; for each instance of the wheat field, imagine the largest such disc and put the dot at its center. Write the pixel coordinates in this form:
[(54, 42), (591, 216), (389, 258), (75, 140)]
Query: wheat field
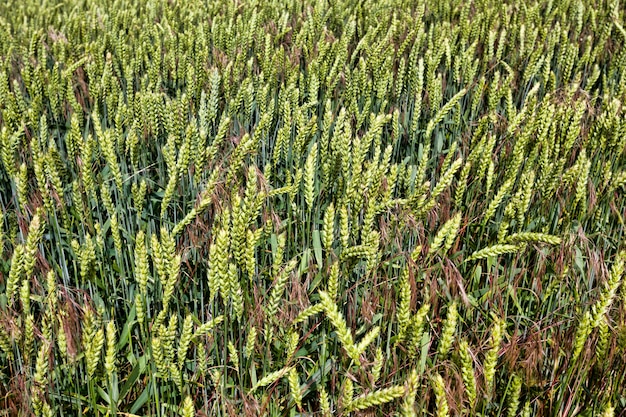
[(312, 208)]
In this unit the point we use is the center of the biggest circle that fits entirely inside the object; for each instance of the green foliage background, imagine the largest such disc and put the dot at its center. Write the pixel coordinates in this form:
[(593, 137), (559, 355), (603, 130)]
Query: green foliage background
[(312, 208)]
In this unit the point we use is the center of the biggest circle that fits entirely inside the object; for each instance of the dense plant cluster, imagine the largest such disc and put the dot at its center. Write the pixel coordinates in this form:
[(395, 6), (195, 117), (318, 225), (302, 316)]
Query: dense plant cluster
[(372, 207)]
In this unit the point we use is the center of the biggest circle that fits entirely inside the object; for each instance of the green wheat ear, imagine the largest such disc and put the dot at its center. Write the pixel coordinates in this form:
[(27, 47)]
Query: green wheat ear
[(375, 398), (187, 408), (449, 329), (441, 400), (403, 312), (343, 332)]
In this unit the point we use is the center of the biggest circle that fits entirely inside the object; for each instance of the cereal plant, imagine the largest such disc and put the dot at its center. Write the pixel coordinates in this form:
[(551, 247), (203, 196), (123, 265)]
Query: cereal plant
[(312, 208)]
